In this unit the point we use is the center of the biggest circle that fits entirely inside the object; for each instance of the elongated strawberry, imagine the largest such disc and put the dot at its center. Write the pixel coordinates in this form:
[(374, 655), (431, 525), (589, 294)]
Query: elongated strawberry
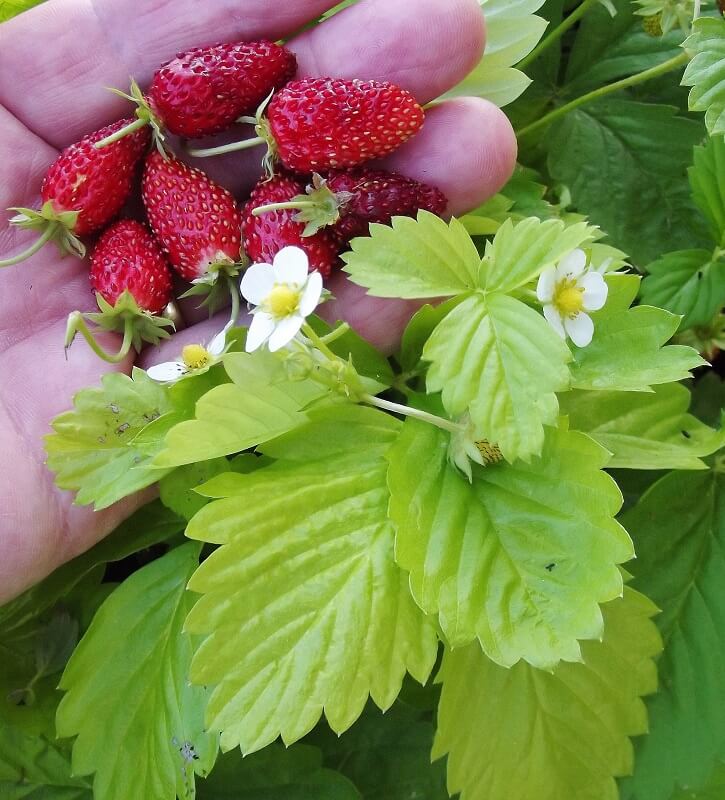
[(204, 90), (318, 124), (197, 221), (132, 282), (82, 191), (268, 233)]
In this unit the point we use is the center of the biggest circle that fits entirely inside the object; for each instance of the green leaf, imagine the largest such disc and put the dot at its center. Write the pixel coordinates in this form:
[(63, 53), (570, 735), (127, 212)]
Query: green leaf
[(258, 405), (92, 448), (679, 531), (644, 430), (502, 362), (627, 352), (520, 558), (706, 72), (128, 699), (414, 258), (707, 181), (708, 398), (418, 331), (512, 732), (303, 604), (713, 789), (276, 773), (688, 282), (177, 488), (624, 163), (11, 8)]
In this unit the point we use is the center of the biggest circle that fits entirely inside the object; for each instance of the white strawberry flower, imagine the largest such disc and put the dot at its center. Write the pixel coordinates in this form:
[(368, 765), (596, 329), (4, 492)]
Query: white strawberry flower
[(569, 290), (284, 294), (195, 359)]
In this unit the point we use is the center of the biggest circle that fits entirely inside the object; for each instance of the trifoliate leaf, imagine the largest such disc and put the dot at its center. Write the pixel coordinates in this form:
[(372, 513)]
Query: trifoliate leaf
[(706, 72), (414, 258), (499, 360), (707, 181), (128, 699), (418, 331), (624, 163), (679, 530), (521, 557), (258, 405), (512, 734), (276, 773), (627, 352), (92, 449), (644, 430), (688, 282), (303, 605)]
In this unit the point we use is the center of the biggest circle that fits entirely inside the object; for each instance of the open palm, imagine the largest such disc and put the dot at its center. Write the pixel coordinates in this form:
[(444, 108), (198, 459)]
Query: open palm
[(54, 64)]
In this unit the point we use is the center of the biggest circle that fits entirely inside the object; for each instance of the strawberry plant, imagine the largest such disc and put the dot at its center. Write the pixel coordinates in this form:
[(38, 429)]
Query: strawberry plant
[(434, 505)]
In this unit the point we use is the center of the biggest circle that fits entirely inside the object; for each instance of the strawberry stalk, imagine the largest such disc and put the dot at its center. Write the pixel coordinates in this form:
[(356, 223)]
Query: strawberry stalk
[(48, 234), (77, 324), (136, 125)]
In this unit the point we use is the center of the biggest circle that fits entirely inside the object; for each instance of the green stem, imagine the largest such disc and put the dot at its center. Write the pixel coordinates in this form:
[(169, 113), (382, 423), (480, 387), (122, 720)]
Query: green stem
[(296, 206), (319, 343), (333, 336), (232, 147), (136, 125), (408, 411), (234, 294), (247, 120), (48, 234), (557, 33), (634, 80), (76, 324)]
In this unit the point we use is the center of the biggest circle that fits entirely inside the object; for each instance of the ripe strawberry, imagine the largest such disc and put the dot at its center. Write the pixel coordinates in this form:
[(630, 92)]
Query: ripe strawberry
[(197, 222), (318, 124), (205, 89), (83, 190), (266, 234), (127, 258)]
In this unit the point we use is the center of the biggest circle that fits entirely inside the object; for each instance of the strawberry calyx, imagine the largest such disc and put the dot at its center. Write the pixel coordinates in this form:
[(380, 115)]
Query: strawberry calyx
[(218, 285), (126, 317), (145, 115), (317, 208), (54, 226)]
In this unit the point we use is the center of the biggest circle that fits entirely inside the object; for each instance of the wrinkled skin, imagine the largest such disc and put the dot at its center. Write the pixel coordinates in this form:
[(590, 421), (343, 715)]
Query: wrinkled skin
[(467, 148)]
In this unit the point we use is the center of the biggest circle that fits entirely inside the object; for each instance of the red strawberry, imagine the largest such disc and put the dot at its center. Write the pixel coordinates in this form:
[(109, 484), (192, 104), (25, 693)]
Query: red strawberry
[(84, 189), (197, 222), (127, 258), (318, 124), (204, 90), (265, 235)]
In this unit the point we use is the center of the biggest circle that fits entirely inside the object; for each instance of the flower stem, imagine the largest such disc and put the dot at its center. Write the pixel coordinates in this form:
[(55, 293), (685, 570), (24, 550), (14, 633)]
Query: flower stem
[(76, 324), (557, 33), (234, 294), (136, 125), (408, 411), (48, 234), (296, 206), (634, 80), (333, 336), (232, 147), (319, 343)]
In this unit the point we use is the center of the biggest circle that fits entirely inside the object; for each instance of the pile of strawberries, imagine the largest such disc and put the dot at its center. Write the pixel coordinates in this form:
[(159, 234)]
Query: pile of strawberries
[(316, 193)]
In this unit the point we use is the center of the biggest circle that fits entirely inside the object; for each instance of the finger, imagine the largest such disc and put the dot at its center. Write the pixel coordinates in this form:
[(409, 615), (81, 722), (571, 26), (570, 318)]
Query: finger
[(81, 46)]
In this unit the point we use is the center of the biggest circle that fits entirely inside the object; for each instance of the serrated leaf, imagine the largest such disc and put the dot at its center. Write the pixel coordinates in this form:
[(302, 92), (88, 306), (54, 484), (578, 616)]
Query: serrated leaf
[(706, 71), (499, 360), (520, 558), (627, 352), (624, 163), (138, 721), (712, 789), (679, 531), (11, 8), (565, 734), (92, 449), (414, 258), (177, 489), (707, 181), (644, 430), (418, 331), (303, 605)]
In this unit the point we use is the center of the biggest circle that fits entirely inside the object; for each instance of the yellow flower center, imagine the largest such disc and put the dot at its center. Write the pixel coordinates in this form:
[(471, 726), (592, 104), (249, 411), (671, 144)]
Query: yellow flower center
[(569, 300), (282, 300), (195, 356)]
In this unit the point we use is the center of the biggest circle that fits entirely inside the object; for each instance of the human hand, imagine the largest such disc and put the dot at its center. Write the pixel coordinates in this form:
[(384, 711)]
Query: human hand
[(467, 149)]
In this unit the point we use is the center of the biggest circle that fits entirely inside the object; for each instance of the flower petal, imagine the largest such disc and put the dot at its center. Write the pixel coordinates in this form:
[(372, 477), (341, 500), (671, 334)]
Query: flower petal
[(291, 266), (580, 329), (595, 291), (285, 331), (167, 372), (259, 331), (311, 295), (546, 285), (257, 283), (554, 319), (218, 343), (573, 265)]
